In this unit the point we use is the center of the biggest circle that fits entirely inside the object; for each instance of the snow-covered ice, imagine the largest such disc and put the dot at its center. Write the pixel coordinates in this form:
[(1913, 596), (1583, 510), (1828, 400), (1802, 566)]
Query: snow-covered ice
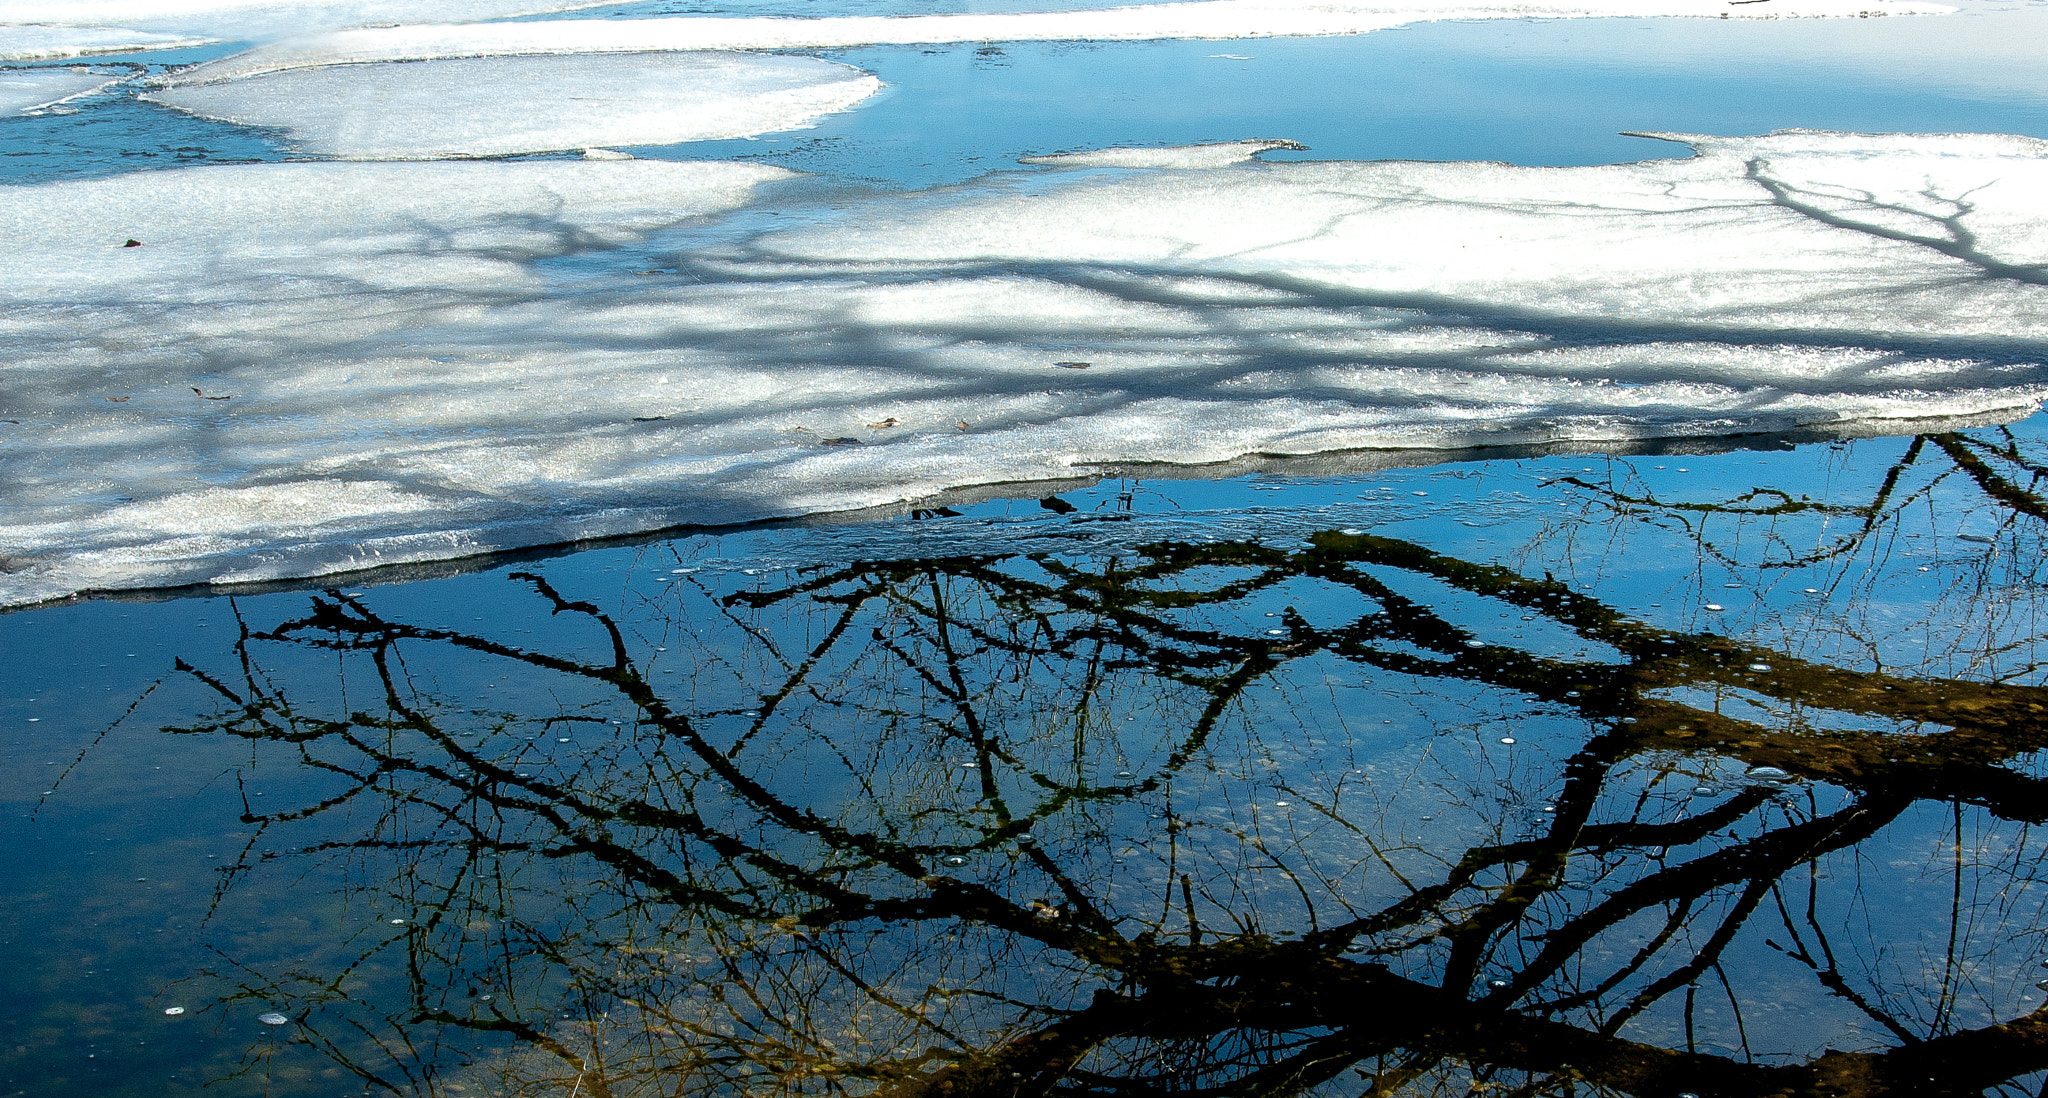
[(504, 105), (392, 366), (256, 19), (1177, 156), (23, 90), (1197, 19), (42, 42)]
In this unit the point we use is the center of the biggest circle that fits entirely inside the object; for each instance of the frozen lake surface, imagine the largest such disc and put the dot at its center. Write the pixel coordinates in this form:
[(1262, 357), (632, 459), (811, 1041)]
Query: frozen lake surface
[(935, 547), (463, 358)]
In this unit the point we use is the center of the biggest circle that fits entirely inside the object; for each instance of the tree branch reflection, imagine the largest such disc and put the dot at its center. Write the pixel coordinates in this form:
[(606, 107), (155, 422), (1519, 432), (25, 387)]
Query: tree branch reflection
[(1043, 824)]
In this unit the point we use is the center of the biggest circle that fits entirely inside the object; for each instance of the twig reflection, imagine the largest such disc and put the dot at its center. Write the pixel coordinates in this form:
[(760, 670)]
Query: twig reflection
[(1034, 824)]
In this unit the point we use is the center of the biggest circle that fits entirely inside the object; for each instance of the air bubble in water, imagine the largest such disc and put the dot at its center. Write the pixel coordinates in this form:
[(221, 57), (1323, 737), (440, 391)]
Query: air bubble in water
[(272, 1019), (1767, 774), (174, 1010), (956, 860)]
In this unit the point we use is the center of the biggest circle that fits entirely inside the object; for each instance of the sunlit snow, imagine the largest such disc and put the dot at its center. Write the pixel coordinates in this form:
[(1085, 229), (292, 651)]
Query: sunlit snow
[(314, 367), (248, 19), (42, 42), (1202, 19), (503, 105)]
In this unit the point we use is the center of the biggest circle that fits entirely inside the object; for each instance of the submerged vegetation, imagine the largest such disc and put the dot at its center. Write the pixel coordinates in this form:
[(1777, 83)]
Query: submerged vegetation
[(1354, 815)]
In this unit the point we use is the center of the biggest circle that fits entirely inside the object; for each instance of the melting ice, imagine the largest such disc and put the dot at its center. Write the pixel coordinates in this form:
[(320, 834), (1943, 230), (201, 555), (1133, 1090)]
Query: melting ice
[(43, 42), (441, 109), (1198, 19), (306, 368), (24, 90)]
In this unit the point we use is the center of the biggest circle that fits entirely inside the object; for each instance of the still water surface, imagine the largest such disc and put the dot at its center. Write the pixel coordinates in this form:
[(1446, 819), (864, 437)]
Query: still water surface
[(1669, 773), (1663, 773)]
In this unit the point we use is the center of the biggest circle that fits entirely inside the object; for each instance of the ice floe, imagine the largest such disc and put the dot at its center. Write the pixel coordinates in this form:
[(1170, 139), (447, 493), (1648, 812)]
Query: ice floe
[(1177, 156), (23, 90), (42, 42), (503, 105), (257, 19), (1198, 19), (310, 368)]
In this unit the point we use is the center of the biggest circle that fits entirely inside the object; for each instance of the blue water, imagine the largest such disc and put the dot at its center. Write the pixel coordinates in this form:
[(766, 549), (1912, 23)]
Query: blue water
[(1556, 92), (197, 817), (1535, 93), (146, 872)]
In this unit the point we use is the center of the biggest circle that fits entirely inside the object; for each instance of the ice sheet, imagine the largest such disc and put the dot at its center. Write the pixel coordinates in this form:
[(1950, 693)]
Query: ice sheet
[(1206, 19), (23, 90), (257, 19), (504, 105), (42, 42), (1176, 156), (387, 370)]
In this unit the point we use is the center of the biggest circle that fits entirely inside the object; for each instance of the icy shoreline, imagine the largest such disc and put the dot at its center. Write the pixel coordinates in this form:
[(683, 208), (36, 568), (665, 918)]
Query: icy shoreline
[(1196, 19), (313, 368)]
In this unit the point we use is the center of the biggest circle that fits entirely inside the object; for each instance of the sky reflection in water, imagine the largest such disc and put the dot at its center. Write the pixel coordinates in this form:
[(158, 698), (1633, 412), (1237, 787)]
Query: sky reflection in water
[(1675, 772), (1184, 790), (1541, 92)]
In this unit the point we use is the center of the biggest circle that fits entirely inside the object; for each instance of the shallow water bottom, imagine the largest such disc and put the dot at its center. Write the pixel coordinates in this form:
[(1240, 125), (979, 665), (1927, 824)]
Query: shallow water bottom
[(1707, 772)]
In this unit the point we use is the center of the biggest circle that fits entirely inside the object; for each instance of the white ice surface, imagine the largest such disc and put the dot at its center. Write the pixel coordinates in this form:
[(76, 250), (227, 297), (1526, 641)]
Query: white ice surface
[(257, 19), (1176, 156), (1199, 19), (23, 90), (42, 42), (407, 380), (502, 105)]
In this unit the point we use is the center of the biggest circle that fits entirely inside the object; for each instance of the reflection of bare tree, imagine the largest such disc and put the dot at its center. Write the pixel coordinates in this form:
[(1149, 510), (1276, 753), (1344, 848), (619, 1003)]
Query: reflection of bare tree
[(1025, 824)]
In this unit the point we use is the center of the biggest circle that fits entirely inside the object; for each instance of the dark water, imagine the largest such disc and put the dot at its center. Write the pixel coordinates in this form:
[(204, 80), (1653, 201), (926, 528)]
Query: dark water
[(1709, 773), (1681, 773)]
